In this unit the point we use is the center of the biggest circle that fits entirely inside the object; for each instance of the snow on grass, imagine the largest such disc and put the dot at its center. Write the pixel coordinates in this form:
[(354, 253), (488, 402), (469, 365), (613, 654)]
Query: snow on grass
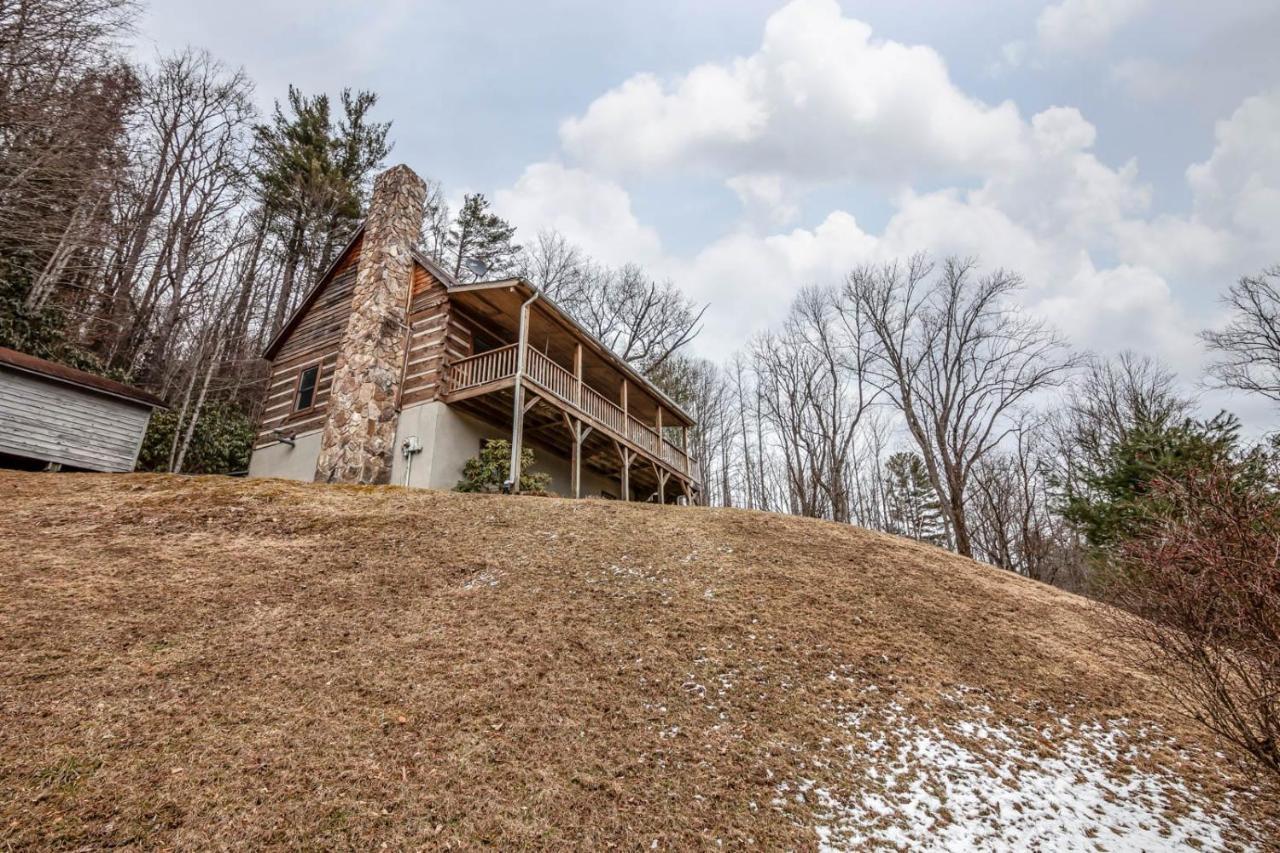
[(981, 784)]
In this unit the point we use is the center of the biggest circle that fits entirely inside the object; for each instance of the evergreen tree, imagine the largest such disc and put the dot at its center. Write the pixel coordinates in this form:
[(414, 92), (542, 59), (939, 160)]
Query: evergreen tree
[(911, 503), (312, 174), (480, 236), (1117, 497)]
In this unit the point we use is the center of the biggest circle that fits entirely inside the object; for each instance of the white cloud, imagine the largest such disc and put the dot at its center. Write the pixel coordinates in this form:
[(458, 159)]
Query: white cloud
[(1040, 215), (820, 99), (1060, 187), (765, 197), (1239, 185), (1081, 25), (1231, 228), (824, 102), (1124, 308), (1148, 80), (750, 280), (592, 212)]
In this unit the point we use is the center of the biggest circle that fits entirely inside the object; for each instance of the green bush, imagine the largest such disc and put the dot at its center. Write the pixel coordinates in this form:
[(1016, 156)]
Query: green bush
[(488, 471), (221, 444), (42, 333)]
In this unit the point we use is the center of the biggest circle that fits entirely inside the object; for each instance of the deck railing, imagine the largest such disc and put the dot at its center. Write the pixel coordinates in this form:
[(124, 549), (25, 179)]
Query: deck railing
[(482, 369), (551, 376), (502, 363)]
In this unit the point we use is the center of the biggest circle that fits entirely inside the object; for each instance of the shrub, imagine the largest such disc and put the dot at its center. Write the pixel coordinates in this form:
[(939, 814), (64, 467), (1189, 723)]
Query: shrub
[(221, 443), (488, 471), (1200, 583)]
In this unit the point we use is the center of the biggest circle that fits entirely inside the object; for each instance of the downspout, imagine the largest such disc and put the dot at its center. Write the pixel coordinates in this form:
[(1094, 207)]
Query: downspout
[(408, 340), (517, 396)]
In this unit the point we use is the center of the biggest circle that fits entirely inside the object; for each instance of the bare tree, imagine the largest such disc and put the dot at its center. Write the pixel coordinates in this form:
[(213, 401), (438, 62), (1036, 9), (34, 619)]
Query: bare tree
[(957, 361), (703, 390), (560, 269), (1247, 349), (64, 96), (643, 320), (1014, 518), (1198, 590), (810, 375)]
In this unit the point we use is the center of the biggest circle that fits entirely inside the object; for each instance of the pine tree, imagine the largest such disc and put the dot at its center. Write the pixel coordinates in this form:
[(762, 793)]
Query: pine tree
[(483, 237), (311, 176), (911, 502)]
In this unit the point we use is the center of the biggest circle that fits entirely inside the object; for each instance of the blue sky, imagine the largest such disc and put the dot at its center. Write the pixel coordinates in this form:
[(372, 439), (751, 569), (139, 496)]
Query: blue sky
[(1124, 155)]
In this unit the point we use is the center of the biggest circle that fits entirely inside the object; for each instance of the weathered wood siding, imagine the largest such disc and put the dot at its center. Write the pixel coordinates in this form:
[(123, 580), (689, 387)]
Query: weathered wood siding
[(436, 335), (317, 336), (314, 339), (44, 419)]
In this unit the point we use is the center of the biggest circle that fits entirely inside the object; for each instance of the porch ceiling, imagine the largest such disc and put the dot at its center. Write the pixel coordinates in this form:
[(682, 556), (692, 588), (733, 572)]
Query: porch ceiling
[(545, 430)]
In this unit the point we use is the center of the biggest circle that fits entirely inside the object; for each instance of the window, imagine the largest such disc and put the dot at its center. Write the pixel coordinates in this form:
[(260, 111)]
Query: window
[(307, 388)]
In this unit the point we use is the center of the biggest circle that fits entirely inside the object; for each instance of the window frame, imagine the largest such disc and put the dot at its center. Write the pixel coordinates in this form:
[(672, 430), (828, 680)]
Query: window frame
[(297, 388)]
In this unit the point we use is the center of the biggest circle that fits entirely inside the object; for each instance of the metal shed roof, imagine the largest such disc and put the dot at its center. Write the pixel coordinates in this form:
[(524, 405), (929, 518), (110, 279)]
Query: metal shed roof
[(79, 378)]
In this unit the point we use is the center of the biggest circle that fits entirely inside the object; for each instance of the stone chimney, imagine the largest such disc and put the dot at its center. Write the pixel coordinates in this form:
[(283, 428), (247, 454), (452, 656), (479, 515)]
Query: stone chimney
[(360, 427)]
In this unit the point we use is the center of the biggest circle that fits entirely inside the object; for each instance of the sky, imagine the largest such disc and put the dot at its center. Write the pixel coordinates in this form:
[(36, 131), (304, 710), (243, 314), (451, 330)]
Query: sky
[(1123, 156)]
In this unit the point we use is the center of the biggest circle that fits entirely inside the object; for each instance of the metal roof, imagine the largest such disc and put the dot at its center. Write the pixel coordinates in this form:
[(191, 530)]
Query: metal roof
[(79, 378)]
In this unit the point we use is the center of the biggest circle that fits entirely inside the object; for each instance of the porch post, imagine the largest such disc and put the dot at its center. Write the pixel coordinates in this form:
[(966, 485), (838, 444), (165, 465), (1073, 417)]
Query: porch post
[(625, 456), (662, 476), (577, 372), (575, 454), (517, 391)]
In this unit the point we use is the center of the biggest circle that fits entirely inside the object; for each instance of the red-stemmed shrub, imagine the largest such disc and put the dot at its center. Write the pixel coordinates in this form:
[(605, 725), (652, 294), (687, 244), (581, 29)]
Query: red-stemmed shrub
[(1199, 592)]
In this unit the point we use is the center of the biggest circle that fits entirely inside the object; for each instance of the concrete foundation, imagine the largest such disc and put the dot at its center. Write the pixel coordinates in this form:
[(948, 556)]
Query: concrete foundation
[(448, 438)]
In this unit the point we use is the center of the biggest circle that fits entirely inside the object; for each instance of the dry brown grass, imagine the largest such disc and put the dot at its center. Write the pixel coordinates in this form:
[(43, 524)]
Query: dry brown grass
[(195, 662)]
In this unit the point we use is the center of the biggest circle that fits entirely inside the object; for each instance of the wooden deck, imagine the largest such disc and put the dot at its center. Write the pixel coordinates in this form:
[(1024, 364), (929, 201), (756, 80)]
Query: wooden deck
[(584, 409)]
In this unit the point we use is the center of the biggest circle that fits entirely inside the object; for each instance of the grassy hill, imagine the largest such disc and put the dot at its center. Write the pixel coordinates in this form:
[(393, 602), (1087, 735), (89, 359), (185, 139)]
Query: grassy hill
[(190, 662)]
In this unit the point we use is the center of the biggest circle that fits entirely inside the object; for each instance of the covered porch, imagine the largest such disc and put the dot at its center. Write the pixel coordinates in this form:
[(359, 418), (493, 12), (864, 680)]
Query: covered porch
[(563, 391)]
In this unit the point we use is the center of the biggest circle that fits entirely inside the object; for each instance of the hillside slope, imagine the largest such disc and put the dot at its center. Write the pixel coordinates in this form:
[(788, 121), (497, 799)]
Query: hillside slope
[(197, 661)]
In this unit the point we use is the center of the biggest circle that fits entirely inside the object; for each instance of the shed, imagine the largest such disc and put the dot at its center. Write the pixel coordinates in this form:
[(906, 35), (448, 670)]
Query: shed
[(51, 413)]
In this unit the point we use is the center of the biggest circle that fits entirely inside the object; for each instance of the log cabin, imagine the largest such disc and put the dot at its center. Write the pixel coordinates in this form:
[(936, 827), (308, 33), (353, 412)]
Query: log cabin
[(392, 371)]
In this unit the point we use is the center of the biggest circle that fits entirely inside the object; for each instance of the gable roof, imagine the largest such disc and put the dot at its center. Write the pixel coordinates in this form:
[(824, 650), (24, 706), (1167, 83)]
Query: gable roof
[(79, 378)]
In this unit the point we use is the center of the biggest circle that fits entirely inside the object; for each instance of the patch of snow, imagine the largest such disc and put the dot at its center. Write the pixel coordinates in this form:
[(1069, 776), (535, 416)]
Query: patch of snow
[(480, 579), (984, 784)]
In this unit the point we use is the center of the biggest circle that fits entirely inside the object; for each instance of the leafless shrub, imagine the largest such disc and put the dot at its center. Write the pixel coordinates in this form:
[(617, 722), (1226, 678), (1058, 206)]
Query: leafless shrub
[(1199, 590)]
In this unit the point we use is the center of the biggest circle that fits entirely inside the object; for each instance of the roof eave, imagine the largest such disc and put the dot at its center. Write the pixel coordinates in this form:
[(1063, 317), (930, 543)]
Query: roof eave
[(273, 346)]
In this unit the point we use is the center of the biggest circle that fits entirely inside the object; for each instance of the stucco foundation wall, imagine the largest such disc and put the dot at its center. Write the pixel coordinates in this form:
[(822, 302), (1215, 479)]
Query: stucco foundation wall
[(289, 463), (449, 438)]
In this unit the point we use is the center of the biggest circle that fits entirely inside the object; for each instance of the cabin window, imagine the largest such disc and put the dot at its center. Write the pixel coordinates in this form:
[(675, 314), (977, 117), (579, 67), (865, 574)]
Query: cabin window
[(307, 388)]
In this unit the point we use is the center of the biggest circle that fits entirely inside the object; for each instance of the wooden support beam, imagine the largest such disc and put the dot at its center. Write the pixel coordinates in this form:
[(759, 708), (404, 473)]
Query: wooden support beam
[(575, 471), (518, 409), (627, 456), (578, 432), (624, 399), (533, 401), (662, 476)]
